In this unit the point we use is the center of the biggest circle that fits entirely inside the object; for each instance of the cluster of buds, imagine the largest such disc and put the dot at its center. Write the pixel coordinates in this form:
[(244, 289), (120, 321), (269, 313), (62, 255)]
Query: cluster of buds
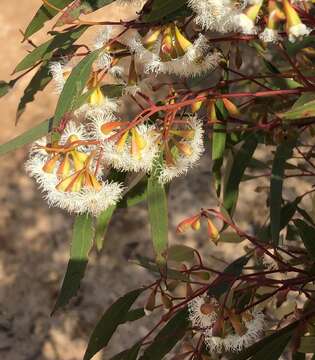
[(194, 223), (212, 107)]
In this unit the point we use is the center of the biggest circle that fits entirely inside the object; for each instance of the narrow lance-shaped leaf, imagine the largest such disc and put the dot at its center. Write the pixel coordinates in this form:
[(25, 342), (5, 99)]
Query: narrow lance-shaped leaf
[(283, 153), (43, 14), (218, 141), (158, 215), (101, 227), (45, 51), (5, 87), (130, 354), (303, 108), (287, 212), (307, 234), (80, 7), (223, 282), (74, 86), (219, 137), (27, 137), (163, 8), (167, 338), (240, 163), (38, 83), (109, 322), (81, 244)]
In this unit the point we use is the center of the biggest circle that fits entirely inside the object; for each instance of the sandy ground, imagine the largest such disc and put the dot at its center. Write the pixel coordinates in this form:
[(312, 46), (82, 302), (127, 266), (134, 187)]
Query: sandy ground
[(35, 239)]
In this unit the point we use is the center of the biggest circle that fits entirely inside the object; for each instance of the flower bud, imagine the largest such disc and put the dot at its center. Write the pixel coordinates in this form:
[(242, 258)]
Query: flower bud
[(231, 107), (187, 223), (167, 302), (213, 232), (150, 304), (189, 291)]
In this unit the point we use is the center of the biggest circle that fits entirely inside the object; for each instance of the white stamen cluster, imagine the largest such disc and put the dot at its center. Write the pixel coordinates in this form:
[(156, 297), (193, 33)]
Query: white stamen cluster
[(235, 342), (183, 162), (198, 59), (225, 16), (204, 322), (123, 159), (87, 199)]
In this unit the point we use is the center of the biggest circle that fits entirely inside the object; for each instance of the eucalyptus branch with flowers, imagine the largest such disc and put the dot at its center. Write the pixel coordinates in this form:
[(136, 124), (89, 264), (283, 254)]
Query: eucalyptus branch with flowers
[(188, 78)]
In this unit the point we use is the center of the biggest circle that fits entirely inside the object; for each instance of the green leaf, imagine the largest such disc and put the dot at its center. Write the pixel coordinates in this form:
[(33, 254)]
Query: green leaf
[(135, 195), (133, 315), (82, 241), (38, 83), (180, 253), (167, 338), (223, 282), (287, 212), (283, 153), (218, 141), (112, 90), (29, 136), (152, 267), (273, 345), (5, 87), (303, 108), (307, 234), (158, 216), (82, 7), (131, 354), (74, 86), (101, 227), (109, 322), (307, 346), (164, 8), (294, 48), (44, 14), (45, 51), (240, 163)]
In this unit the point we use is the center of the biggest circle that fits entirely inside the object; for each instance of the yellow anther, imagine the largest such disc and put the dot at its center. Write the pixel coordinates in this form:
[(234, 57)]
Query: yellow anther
[(50, 164), (181, 42), (122, 141), (64, 167), (79, 159), (151, 38), (184, 148), (96, 98), (72, 183)]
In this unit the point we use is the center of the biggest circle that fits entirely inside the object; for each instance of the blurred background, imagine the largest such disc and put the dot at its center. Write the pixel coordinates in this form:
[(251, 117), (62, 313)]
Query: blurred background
[(34, 239)]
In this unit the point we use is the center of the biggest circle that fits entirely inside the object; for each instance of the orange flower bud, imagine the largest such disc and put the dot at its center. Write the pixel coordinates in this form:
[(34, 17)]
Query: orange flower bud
[(231, 107), (110, 126), (213, 232), (187, 223)]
